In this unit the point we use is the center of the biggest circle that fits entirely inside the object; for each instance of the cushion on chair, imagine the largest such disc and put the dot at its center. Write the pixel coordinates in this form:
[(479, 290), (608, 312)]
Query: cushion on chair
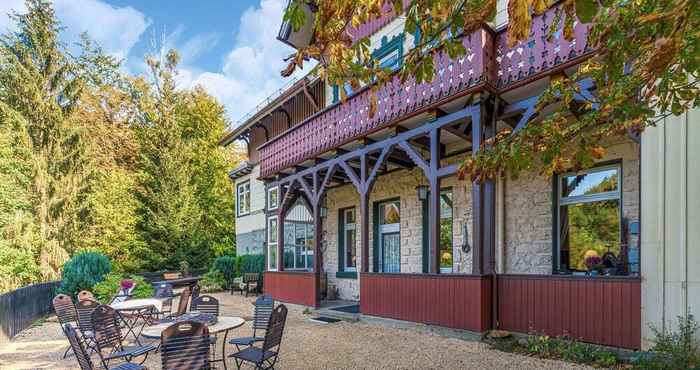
[(253, 354), (131, 351), (127, 366), (246, 341)]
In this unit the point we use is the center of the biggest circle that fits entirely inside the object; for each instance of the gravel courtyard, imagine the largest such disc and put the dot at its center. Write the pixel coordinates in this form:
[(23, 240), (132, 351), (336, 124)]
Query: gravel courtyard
[(307, 345)]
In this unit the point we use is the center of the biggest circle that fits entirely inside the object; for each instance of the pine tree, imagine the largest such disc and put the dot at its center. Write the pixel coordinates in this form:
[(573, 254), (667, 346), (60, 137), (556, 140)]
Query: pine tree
[(39, 95)]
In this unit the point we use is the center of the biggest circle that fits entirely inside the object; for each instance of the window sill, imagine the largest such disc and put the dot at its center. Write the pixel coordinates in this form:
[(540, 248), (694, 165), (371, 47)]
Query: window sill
[(346, 275)]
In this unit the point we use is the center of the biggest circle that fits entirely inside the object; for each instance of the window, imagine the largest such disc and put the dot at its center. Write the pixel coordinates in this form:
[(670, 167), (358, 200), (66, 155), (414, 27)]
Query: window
[(390, 53), (347, 243), (299, 238), (589, 218), (243, 198), (272, 243), (272, 198), (445, 252), (389, 236)]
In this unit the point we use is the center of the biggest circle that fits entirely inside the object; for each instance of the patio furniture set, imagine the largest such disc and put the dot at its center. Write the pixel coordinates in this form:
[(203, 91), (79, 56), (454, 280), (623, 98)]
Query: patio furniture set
[(124, 332)]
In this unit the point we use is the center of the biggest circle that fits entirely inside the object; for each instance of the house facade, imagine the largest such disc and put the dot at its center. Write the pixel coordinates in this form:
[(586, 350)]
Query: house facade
[(372, 208)]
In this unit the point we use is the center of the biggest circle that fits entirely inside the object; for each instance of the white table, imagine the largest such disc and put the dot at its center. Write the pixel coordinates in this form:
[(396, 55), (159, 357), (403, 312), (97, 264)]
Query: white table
[(223, 325), (138, 309), (138, 304)]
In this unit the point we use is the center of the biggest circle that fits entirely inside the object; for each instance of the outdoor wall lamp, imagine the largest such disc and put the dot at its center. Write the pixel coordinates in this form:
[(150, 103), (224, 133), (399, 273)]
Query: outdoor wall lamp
[(422, 192), (324, 212)]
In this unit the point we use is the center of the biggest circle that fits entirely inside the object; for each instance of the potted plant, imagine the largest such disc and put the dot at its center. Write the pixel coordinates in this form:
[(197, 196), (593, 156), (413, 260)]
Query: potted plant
[(594, 265)]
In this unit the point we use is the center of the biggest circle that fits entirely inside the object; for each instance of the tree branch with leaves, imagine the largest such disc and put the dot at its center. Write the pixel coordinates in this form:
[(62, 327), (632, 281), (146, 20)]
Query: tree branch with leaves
[(646, 64)]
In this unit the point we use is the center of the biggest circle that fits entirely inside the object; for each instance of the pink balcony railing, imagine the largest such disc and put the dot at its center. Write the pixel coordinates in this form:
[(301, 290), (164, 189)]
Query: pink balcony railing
[(489, 63)]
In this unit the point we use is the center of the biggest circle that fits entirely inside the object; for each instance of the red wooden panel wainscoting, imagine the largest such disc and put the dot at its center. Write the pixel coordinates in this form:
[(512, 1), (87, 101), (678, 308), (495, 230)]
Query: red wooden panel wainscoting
[(453, 301), (291, 287), (601, 310)]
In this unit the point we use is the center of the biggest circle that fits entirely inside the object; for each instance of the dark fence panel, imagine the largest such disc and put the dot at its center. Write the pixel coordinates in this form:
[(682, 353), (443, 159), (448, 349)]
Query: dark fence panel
[(20, 308)]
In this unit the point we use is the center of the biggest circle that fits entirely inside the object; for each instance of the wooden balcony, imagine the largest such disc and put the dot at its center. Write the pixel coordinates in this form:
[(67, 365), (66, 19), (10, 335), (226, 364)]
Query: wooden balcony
[(488, 65)]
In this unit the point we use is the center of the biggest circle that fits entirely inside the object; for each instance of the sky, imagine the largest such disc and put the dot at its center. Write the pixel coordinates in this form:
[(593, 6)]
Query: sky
[(227, 46)]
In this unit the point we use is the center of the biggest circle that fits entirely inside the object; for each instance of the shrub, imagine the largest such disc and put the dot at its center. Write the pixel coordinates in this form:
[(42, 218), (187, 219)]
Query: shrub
[(212, 281), (252, 263), (83, 271), (568, 349), (109, 287), (673, 349), (226, 265)]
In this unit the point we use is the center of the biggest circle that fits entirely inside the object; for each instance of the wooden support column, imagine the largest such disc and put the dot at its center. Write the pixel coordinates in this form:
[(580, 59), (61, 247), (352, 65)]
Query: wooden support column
[(434, 203), (477, 195), (317, 252), (281, 211), (483, 196), (364, 230)]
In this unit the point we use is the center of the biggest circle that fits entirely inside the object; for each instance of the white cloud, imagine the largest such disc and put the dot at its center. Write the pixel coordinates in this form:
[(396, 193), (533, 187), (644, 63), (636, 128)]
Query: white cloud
[(6, 8), (116, 29), (251, 70)]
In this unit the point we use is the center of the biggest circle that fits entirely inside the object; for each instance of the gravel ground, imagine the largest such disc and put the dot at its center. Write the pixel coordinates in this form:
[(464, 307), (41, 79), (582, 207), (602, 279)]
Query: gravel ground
[(307, 345)]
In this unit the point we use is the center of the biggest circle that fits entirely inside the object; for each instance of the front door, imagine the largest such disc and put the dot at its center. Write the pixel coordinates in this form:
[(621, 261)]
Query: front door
[(390, 237)]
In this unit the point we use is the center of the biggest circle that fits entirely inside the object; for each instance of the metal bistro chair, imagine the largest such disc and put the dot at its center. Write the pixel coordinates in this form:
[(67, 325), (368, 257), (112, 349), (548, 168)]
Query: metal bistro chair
[(184, 302), (265, 357), (83, 357), (164, 292), (185, 346), (261, 317), (85, 295), (84, 311), (206, 304), (65, 312), (108, 336), (194, 294)]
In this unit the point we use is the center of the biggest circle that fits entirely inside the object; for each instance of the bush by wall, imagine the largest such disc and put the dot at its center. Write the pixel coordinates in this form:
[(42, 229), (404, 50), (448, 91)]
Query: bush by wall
[(109, 287), (252, 263), (226, 265), (83, 271)]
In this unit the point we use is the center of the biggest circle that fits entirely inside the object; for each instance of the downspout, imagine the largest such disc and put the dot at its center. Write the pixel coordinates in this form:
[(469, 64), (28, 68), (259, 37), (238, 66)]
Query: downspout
[(498, 261)]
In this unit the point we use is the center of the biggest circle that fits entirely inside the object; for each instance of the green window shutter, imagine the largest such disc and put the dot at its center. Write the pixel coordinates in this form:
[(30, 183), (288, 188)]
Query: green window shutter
[(341, 246), (424, 239), (375, 236)]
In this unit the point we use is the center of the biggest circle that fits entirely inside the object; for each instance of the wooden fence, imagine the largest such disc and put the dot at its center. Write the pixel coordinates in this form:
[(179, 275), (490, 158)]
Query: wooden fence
[(20, 308)]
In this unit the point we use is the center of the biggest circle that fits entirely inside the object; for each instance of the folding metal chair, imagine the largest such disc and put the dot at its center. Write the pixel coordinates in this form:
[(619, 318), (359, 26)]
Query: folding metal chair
[(65, 312), (109, 340), (206, 304), (185, 346), (261, 316), (83, 357), (265, 357)]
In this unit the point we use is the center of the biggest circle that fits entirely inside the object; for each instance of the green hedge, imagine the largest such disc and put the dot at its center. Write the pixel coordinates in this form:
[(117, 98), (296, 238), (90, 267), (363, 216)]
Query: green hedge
[(109, 287), (252, 263)]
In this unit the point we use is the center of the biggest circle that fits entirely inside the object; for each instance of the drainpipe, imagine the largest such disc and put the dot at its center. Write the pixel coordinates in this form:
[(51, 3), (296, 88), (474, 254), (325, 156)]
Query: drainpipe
[(498, 262)]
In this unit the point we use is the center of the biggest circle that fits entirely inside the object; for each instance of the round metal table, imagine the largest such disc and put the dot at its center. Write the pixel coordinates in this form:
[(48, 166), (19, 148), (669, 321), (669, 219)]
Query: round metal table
[(223, 325), (135, 310)]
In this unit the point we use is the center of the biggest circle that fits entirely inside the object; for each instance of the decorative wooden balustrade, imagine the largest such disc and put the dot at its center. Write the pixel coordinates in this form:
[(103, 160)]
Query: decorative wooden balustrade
[(489, 64)]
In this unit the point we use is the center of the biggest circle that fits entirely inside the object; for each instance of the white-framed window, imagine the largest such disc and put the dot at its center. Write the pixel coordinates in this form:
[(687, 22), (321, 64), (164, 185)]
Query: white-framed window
[(272, 243), (348, 242), (589, 220), (243, 198), (389, 236), (446, 232), (298, 238), (273, 198)]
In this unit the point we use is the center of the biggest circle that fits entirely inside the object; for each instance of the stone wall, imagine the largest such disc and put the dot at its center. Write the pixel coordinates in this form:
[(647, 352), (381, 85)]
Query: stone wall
[(528, 212), (399, 184)]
